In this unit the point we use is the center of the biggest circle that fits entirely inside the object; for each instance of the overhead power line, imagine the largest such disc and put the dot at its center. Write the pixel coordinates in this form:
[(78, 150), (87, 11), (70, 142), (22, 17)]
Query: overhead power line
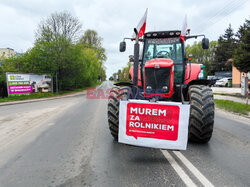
[(223, 12)]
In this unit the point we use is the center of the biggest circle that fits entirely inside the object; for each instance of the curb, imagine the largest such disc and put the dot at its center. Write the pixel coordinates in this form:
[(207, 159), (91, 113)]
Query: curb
[(41, 99), (232, 113), (231, 98)]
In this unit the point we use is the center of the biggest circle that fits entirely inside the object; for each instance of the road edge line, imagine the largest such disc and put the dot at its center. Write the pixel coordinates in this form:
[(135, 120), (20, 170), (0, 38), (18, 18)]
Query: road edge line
[(193, 169), (184, 177)]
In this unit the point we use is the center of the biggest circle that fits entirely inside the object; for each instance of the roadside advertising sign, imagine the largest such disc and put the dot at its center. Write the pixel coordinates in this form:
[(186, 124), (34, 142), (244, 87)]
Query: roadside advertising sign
[(24, 84), (154, 124)]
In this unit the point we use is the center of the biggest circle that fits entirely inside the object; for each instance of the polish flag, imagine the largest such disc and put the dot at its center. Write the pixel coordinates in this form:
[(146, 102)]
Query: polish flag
[(141, 27), (184, 28)]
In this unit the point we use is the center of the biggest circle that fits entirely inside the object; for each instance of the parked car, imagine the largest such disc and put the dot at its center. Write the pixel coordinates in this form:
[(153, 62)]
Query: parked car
[(223, 82), (213, 79)]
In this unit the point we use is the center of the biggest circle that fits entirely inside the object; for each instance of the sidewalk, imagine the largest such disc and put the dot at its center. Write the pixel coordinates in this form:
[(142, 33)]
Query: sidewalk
[(47, 98), (42, 99), (231, 92), (226, 90)]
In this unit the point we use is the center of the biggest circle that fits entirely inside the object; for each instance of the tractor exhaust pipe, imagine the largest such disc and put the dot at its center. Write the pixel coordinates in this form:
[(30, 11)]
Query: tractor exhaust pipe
[(136, 58)]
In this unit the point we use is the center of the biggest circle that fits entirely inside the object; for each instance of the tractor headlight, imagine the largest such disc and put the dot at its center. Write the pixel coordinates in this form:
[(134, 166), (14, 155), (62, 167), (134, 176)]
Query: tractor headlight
[(149, 88), (165, 88)]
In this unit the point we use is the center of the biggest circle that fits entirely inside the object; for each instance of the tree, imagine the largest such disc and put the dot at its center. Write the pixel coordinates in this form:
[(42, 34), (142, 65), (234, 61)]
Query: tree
[(54, 48), (242, 31), (242, 52), (59, 24), (123, 74), (90, 39), (202, 56), (102, 75), (224, 51)]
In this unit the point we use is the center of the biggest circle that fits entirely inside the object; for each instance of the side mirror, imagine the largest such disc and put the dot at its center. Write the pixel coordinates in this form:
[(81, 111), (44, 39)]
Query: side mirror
[(123, 46), (190, 57), (205, 43), (131, 58)]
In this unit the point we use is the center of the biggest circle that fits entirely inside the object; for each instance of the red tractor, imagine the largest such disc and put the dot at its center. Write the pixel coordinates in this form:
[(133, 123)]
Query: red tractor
[(164, 73)]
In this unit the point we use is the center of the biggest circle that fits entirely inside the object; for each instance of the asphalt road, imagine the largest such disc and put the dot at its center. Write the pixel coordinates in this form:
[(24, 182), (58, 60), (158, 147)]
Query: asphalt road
[(66, 142)]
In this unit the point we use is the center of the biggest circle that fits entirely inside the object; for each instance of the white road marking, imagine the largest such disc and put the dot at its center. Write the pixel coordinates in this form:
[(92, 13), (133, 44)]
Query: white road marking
[(193, 169), (185, 178)]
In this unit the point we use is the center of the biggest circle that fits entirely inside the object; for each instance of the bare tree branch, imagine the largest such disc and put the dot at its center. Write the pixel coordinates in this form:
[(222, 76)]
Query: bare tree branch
[(60, 24)]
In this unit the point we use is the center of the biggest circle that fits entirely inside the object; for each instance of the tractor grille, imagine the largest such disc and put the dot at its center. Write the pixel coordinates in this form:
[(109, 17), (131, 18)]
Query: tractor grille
[(157, 79)]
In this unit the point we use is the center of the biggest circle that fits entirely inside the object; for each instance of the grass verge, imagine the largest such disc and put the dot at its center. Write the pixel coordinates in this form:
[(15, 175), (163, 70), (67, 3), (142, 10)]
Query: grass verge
[(232, 106), (43, 95)]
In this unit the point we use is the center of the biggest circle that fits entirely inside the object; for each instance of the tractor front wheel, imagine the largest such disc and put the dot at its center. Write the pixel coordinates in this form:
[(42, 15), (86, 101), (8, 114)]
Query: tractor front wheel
[(116, 94), (201, 120)]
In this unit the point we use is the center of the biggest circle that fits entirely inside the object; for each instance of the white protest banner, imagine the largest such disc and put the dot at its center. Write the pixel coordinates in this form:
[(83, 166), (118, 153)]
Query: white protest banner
[(154, 124)]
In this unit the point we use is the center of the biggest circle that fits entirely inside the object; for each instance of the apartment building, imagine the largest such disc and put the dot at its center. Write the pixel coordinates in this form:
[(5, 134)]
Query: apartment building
[(7, 52)]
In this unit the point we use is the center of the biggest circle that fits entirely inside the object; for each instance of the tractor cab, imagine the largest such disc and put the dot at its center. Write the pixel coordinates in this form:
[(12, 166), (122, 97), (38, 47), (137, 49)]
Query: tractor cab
[(163, 54)]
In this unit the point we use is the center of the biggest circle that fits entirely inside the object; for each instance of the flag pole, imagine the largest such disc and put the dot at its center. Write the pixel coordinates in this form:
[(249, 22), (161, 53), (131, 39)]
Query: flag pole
[(136, 57)]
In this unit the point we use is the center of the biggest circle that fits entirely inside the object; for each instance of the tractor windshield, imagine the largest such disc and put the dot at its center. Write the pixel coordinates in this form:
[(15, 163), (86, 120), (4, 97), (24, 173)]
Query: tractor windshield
[(166, 48), (163, 48)]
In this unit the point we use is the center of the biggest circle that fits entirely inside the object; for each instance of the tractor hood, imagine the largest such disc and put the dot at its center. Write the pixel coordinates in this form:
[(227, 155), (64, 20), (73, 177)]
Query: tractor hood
[(159, 63)]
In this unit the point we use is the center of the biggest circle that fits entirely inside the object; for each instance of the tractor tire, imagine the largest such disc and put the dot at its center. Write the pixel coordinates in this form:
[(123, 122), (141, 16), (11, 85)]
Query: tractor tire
[(201, 119), (116, 94)]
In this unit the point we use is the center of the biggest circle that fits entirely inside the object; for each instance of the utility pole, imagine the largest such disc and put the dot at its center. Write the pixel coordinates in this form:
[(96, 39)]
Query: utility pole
[(56, 82), (247, 100), (244, 88), (247, 93)]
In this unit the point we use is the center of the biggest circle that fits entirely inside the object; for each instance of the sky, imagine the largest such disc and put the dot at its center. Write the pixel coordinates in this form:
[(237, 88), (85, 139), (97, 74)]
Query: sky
[(115, 19)]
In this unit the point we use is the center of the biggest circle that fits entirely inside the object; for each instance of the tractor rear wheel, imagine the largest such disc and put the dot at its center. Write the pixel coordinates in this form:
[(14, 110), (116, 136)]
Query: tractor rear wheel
[(201, 120), (113, 109)]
